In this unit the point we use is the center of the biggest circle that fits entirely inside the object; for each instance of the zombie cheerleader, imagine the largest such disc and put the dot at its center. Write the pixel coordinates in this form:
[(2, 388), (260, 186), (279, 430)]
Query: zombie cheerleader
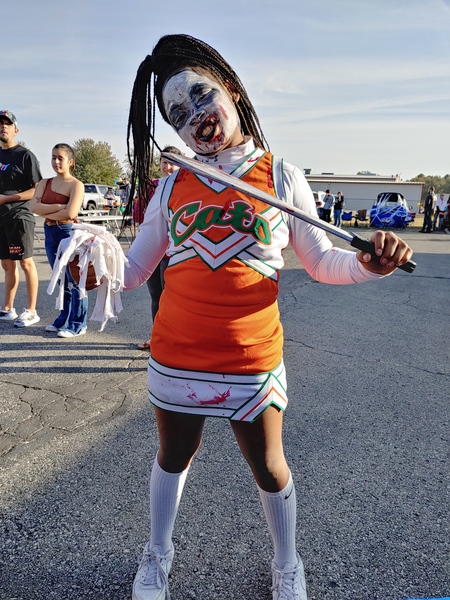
[(216, 345)]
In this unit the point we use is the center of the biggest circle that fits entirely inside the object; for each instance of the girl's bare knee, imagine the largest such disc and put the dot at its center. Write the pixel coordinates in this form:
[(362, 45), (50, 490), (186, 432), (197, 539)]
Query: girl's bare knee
[(270, 473), (176, 458), (174, 463)]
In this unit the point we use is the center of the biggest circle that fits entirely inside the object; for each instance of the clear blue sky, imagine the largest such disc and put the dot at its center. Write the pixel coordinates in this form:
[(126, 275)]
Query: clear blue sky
[(339, 85)]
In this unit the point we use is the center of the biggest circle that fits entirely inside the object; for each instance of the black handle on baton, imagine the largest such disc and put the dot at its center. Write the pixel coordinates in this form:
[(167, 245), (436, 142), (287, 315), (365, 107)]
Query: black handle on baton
[(367, 246)]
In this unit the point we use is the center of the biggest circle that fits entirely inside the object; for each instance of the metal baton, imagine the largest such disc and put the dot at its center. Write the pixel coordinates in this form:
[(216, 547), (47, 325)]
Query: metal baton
[(210, 172)]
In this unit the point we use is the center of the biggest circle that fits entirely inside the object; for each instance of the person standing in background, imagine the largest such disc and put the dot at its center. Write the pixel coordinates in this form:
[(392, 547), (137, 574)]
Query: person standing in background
[(338, 208), (155, 282), (439, 212), (126, 191), (59, 200), (110, 199), (19, 174), (328, 200), (446, 219), (428, 206)]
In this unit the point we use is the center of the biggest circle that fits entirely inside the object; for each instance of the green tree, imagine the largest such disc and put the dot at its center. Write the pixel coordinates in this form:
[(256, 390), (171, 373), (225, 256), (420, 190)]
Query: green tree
[(440, 184), (155, 171), (95, 162)]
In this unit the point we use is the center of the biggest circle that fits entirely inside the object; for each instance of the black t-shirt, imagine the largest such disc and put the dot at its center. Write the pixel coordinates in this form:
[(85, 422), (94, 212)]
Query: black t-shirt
[(19, 171), (429, 201), (339, 204)]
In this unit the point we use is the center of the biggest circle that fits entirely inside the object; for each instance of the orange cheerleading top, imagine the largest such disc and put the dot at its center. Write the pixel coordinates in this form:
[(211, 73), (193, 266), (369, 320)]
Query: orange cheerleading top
[(218, 311)]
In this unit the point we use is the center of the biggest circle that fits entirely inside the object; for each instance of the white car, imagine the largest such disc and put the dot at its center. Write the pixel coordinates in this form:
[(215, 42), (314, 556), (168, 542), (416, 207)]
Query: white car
[(318, 198)]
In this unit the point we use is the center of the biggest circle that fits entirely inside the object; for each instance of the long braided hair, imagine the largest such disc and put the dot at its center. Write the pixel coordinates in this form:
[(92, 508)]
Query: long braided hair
[(171, 54)]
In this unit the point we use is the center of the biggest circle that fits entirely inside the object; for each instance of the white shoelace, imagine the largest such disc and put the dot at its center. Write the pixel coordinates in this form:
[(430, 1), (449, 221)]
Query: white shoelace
[(289, 583), (156, 569)]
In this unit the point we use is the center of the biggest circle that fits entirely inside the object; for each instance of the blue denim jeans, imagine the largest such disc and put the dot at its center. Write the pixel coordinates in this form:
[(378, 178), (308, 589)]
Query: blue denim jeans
[(73, 316), (438, 216), (337, 217)]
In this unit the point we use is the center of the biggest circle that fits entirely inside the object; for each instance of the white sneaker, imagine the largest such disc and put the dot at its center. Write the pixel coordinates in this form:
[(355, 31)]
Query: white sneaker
[(51, 328), (8, 315), (27, 318), (152, 578), (289, 582), (65, 333)]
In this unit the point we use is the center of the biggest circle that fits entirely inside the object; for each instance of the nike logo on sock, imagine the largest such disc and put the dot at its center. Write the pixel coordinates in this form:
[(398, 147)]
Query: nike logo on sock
[(290, 492)]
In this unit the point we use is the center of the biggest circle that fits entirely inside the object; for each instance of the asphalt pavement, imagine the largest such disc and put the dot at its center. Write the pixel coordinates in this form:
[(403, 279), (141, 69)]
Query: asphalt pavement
[(366, 436)]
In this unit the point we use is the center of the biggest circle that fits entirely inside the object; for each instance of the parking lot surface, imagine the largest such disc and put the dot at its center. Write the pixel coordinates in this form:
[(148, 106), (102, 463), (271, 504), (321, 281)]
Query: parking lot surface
[(366, 436)]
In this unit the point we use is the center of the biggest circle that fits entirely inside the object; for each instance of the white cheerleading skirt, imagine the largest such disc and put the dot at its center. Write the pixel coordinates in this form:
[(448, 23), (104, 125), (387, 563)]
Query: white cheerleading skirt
[(237, 397)]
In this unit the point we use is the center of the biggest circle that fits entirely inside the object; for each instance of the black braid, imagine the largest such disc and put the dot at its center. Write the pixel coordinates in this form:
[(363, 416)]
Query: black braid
[(171, 54), (141, 124)]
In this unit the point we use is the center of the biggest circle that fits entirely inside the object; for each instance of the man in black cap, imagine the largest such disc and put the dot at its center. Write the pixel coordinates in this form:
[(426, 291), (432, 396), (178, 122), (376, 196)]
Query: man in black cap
[(19, 174)]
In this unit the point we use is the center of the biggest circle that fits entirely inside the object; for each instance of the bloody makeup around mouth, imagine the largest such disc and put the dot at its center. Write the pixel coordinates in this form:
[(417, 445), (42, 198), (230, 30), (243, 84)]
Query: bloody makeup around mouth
[(201, 111)]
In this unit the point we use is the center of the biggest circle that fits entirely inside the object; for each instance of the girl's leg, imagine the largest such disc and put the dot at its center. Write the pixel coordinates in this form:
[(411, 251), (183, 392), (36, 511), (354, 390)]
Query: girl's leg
[(165, 495), (74, 314), (261, 444), (77, 320), (180, 438), (53, 236)]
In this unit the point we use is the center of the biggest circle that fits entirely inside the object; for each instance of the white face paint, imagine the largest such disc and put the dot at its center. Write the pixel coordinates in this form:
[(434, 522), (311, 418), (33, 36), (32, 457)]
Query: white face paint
[(201, 111)]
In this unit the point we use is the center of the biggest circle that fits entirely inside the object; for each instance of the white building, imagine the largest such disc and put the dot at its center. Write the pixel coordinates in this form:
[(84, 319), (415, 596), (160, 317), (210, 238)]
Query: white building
[(361, 191)]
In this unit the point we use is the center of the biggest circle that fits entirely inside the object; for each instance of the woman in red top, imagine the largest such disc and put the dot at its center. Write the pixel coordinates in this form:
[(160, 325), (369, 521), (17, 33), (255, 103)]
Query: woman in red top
[(59, 200)]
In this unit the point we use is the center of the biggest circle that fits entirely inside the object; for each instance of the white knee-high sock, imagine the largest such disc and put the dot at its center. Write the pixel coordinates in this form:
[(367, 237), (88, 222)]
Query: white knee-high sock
[(165, 495), (280, 510)]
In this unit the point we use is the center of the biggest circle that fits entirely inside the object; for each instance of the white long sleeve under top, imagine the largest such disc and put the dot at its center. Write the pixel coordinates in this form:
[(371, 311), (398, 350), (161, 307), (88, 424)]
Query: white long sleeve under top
[(319, 257)]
